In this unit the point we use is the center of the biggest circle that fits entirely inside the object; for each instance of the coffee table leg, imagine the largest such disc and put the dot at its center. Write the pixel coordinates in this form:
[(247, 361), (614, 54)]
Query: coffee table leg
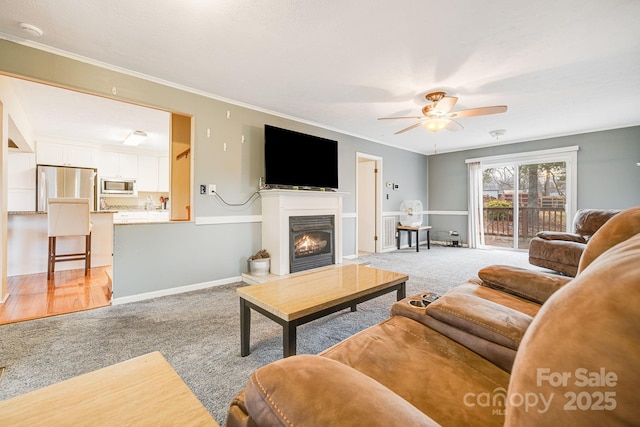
[(245, 328), (402, 291), (288, 339)]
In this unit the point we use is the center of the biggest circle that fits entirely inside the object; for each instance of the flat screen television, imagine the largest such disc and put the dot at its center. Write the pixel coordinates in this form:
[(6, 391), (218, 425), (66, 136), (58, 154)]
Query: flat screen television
[(294, 159)]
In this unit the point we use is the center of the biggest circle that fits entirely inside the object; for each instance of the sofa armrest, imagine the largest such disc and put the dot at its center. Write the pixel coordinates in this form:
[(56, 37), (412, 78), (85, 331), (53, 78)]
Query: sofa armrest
[(533, 285), (315, 390), (559, 235)]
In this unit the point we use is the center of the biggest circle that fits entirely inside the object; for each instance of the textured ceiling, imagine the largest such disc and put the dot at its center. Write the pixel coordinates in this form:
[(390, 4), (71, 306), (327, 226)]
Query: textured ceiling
[(562, 67)]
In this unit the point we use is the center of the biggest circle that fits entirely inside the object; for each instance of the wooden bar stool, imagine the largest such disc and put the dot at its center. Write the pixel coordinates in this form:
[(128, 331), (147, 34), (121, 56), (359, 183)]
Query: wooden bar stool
[(68, 216)]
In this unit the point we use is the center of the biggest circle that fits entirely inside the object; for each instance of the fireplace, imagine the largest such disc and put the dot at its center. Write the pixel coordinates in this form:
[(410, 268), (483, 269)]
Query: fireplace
[(311, 241), (279, 205)]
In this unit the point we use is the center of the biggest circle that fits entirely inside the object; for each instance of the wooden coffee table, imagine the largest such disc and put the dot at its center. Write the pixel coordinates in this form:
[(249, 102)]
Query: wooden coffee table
[(143, 391), (297, 300)]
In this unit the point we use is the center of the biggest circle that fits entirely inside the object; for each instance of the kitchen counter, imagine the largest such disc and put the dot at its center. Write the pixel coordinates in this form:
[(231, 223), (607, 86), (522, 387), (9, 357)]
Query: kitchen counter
[(128, 215), (44, 213), (27, 243)]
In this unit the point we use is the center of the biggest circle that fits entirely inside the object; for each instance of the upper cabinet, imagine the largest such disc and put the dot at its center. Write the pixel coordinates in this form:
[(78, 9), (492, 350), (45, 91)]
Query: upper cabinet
[(150, 171), (163, 174), (153, 173), (147, 173), (51, 153), (21, 178), (118, 165)]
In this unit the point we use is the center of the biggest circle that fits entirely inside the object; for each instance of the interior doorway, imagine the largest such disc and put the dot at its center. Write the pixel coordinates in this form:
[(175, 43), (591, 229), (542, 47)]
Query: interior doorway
[(368, 203)]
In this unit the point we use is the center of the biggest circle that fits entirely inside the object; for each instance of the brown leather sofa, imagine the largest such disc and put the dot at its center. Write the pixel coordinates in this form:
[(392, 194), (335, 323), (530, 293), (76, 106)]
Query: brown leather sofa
[(491, 313), (575, 363), (560, 251)]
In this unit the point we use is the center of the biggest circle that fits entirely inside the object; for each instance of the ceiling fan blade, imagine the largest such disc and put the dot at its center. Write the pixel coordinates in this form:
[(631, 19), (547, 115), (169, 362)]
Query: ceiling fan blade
[(409, 128), (407, 117), (453, 126), (482, 111), (444, 105)]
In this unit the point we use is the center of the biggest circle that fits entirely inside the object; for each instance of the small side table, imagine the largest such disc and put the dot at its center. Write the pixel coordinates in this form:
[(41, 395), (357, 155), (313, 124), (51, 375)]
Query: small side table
[(409, 229)]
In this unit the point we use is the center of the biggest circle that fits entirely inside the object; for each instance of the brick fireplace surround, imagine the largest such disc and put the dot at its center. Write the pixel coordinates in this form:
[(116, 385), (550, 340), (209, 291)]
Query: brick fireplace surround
[(279, 205)]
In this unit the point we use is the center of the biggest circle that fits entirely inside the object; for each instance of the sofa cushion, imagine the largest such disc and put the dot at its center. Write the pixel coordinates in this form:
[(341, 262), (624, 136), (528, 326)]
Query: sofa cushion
[(532, 285), (589, 334), (312, 390), (619, 228), (480, 317), (559, 255), (438, 376), (559, 235), (587, 221)]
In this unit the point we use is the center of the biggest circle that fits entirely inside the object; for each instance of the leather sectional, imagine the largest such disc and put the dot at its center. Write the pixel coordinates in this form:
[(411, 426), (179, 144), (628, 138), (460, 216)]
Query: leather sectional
[(511, 347)]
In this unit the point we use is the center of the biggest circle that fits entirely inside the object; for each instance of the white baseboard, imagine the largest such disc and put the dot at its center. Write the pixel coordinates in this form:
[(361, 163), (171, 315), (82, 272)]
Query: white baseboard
[(174, 291)]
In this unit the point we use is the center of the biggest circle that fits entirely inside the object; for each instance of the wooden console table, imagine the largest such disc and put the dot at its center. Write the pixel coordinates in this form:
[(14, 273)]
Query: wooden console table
[(409, 229), (140, 391)]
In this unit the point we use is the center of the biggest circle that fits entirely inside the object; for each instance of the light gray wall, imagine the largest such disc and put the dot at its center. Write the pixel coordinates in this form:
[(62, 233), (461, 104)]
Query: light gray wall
[(608, 176), (155, 257)]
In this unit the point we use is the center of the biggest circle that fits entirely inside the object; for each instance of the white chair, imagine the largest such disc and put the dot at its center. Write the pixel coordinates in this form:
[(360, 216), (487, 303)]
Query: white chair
[(68, 216)]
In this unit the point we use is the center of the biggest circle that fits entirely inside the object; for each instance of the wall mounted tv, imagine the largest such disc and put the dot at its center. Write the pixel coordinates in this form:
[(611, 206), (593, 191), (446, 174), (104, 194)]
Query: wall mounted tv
[(294, 159)]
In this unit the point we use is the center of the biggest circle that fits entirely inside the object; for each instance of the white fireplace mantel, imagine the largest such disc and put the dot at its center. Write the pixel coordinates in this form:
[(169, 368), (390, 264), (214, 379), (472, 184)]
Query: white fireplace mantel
[(279, 205)]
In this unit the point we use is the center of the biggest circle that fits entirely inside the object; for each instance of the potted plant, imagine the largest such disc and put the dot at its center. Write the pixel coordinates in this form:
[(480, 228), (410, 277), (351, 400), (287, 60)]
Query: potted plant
[(259, 263)]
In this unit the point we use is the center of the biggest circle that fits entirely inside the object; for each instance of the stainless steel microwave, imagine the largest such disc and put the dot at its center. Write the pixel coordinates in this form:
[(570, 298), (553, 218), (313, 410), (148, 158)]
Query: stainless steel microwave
[(118, 187)]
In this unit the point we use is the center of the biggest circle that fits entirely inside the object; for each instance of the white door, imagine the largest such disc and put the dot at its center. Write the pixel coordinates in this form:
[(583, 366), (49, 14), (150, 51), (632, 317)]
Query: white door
[(366, 206)]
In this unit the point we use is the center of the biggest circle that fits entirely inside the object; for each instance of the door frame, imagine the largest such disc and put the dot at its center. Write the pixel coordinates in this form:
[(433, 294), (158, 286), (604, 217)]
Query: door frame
[(563, 154), (377, 195)]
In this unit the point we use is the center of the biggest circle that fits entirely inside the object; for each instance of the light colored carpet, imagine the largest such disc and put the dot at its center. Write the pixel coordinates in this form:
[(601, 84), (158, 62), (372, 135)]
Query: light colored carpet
[(199, 332)]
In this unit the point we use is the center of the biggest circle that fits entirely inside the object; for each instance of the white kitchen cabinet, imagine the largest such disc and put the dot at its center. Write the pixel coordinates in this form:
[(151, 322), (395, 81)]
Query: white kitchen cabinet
[(21, 182), (118, 165), (147, 173), (163, 174), (125, 217), (52, 153), (21, 173), (21, 199), (158, 216)]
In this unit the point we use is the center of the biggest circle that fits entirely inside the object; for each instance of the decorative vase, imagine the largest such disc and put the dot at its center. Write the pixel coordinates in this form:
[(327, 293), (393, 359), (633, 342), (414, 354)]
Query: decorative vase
[(259, 267)]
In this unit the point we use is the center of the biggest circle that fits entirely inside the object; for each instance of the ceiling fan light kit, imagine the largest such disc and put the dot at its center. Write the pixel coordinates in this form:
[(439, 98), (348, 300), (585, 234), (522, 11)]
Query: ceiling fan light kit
[(437, 114), (435, 125)]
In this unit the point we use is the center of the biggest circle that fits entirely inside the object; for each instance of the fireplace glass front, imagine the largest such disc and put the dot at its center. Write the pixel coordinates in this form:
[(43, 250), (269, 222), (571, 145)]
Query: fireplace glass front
[(311, 242)]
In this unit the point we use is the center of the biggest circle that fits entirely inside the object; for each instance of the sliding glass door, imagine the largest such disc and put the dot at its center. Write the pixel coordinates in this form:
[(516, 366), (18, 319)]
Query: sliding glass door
[(521, 196)]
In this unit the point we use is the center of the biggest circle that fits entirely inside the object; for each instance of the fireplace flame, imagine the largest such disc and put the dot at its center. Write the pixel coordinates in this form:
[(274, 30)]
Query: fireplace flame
[(308, 245)]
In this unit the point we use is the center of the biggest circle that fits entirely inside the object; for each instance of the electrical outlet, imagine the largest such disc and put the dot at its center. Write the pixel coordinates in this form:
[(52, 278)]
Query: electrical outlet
[(203, 189), (212, 189)]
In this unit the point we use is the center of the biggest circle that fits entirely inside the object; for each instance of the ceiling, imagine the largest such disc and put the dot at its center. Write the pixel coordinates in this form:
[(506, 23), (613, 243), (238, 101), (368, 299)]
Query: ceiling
[(65, 115), (561, 67)]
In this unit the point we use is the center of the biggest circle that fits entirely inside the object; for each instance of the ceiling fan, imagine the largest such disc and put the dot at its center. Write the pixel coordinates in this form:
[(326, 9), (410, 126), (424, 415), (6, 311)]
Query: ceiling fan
[(437, 114)]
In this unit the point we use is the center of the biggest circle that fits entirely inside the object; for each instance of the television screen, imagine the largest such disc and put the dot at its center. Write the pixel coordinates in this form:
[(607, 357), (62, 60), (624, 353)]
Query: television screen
[(294, 159)]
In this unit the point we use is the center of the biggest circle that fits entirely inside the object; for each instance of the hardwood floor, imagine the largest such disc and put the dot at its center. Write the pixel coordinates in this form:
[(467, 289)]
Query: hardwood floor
[(32, 296)]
